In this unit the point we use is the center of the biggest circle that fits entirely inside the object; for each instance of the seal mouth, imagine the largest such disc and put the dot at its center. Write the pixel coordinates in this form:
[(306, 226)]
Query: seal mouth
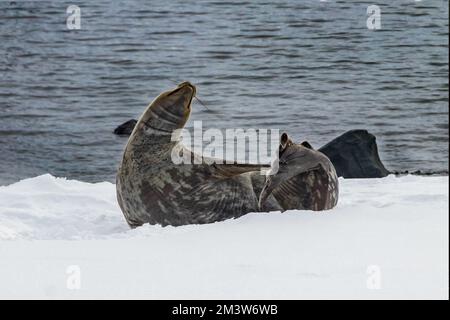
[(185, 86)]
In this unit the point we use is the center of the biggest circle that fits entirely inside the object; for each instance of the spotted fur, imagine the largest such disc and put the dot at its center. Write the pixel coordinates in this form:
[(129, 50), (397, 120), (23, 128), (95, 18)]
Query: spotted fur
[(152, 189)]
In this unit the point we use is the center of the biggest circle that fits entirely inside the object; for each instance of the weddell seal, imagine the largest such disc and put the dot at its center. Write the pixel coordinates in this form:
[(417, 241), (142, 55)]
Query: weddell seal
[(151, 188)]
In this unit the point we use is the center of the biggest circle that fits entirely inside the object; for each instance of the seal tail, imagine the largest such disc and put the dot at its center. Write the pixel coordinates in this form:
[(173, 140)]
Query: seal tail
[(305, 179)]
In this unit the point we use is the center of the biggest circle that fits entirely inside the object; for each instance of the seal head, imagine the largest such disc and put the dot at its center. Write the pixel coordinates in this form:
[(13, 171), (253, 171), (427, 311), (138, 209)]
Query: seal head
[(169, 111)]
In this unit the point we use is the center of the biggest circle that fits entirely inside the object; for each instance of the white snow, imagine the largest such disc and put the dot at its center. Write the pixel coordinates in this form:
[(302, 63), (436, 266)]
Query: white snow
[(387, 238)]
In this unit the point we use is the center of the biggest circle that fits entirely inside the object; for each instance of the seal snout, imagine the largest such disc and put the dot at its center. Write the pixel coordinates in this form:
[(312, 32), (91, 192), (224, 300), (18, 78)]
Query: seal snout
[(187, 87), (184, 93)]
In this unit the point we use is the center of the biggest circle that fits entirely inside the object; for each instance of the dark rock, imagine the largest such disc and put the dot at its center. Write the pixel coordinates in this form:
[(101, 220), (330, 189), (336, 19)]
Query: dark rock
[(355, 155), (125, 128)]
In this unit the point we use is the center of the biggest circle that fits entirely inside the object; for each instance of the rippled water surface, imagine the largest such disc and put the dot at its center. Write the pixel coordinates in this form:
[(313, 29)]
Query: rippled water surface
[(310, 68)]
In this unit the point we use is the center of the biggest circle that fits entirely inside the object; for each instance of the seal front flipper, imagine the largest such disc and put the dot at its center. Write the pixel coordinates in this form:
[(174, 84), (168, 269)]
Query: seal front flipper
[(305, 179), (229, 170)]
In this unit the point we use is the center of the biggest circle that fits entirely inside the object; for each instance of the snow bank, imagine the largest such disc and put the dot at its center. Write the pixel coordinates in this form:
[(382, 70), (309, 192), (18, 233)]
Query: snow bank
[(46, 207), (387, 238)]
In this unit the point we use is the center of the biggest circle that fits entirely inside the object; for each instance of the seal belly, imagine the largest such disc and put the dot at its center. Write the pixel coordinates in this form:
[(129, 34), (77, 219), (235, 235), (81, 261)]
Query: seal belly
[(188, 194), (315, 190)]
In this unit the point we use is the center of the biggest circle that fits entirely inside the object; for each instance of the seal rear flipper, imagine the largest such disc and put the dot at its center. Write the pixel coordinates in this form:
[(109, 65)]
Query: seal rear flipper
[(305, 179), (307, 191), (313, 190), (306, 144)]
